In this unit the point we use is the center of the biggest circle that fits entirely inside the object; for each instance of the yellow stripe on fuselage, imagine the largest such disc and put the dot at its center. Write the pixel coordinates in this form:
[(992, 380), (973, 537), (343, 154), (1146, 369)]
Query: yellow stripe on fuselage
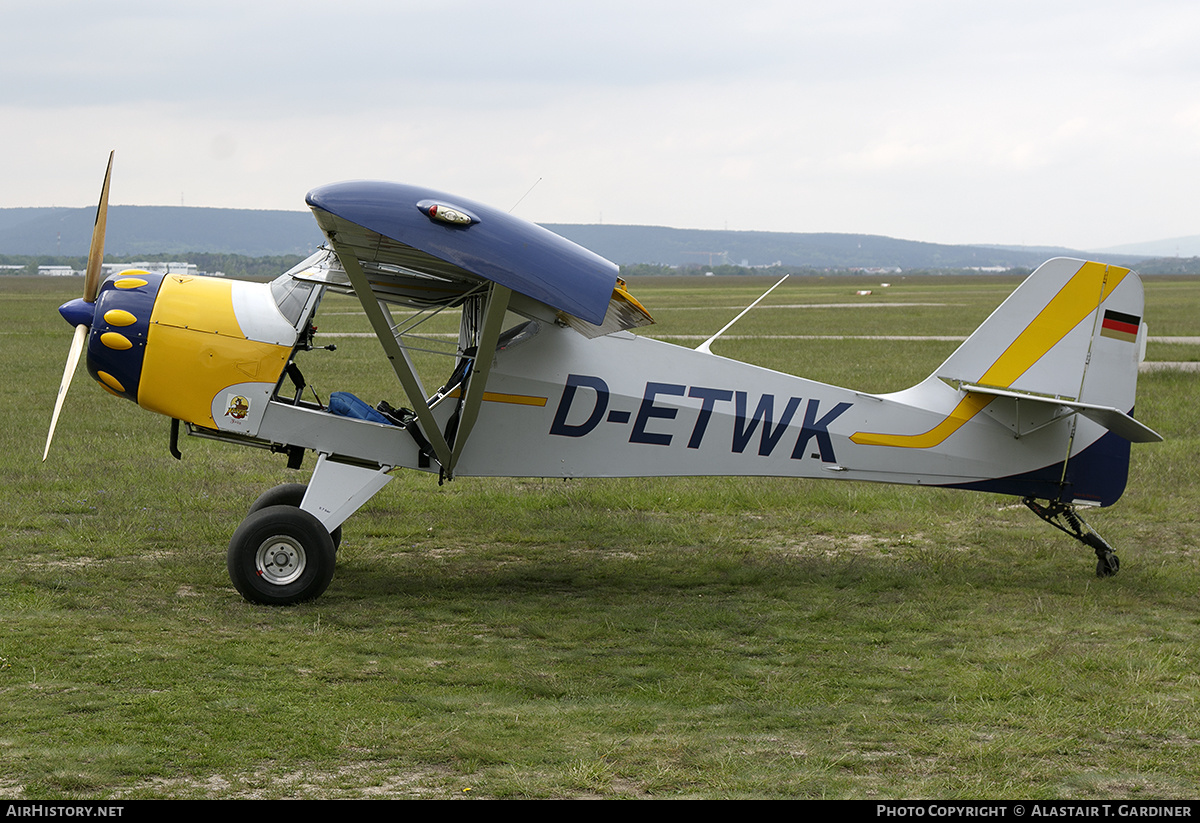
[(497, 397), (1087, 289)]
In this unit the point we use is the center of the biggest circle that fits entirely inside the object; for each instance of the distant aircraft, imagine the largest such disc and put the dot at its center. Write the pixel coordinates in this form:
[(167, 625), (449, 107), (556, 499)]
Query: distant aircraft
[(548, 380)]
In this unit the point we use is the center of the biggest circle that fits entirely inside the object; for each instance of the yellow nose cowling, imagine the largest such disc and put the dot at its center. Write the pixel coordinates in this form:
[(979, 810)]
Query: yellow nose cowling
[(196, 349)]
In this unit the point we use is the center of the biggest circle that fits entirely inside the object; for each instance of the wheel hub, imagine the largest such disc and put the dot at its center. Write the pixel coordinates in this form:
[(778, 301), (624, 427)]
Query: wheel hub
[(280, 560)]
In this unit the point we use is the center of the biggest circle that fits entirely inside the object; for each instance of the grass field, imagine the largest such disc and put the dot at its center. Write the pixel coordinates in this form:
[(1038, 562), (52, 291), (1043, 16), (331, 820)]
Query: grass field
[(682, 638)]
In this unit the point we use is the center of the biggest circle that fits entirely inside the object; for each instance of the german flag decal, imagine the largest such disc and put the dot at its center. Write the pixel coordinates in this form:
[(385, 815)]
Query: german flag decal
[(1120, 326)]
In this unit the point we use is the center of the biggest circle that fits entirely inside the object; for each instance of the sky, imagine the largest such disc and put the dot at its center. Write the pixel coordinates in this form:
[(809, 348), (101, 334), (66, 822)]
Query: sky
[(1052, 122)]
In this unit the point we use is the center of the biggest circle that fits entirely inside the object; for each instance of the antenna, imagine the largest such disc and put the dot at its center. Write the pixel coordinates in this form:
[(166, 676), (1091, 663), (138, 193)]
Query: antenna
[(523, 196), (704, 347)]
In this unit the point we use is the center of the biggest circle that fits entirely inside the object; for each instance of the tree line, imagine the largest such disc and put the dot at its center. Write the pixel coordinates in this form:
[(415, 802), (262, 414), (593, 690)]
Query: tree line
[(231, 265)]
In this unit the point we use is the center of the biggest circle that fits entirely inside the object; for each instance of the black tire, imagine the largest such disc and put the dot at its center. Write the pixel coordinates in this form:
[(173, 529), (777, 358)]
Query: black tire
[(290, 494), (280, 555), (1108, 565)]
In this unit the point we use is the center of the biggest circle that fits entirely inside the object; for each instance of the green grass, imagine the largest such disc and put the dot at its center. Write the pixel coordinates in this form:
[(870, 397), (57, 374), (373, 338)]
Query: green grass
[(704, 638)]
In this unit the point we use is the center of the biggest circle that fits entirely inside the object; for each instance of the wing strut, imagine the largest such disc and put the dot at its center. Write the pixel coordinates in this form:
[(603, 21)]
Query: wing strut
[(447, 446), (401, 364), (493, 320)]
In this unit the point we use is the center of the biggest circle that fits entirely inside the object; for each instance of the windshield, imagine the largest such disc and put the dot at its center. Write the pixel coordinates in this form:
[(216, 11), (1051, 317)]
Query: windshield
[(291, 296)]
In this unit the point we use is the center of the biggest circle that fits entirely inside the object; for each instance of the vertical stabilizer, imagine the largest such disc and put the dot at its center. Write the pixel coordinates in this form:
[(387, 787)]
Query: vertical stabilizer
[(1067, 342), (1071, 330)]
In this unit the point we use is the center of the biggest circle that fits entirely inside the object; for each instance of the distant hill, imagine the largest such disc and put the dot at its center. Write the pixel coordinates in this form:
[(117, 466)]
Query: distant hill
[(653, 244), (147, 230), (142, 230), (1171, 247)]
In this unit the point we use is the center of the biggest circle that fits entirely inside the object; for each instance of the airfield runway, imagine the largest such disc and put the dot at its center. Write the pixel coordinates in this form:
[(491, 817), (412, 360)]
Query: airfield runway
[(1148, 366)]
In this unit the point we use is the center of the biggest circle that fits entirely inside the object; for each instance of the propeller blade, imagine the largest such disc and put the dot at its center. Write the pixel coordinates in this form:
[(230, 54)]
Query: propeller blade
[(91, 284), (81, 335)]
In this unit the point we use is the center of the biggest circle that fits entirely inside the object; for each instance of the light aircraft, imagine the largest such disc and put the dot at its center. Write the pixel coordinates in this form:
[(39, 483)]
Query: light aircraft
[(548, 380)]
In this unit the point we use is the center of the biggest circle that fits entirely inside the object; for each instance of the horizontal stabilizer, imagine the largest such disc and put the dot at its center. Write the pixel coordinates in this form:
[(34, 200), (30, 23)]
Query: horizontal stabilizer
[(1111, 418)]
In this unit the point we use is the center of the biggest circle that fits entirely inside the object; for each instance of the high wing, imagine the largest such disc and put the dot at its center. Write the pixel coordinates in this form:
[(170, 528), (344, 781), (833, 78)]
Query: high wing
[(407, 245), (392, 224)]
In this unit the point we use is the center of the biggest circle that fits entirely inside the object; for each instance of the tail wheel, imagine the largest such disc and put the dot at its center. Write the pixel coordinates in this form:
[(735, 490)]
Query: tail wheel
[(280, 555), (1063, 517), (290, 494)]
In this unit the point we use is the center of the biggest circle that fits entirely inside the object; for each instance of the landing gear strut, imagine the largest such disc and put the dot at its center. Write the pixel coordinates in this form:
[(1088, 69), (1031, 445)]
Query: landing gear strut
[(1063, 517), (290, 494)]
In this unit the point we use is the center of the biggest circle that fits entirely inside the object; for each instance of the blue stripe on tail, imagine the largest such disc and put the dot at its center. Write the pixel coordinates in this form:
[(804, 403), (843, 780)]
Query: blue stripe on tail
[(1096, 475)]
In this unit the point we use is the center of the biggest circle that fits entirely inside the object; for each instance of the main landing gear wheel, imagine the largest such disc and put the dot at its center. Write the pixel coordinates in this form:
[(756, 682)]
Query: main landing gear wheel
[(290, 494), (1064, 518), (280, 555)]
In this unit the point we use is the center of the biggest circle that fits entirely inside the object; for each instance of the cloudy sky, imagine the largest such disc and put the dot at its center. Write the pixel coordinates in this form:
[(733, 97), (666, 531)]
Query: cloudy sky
[(1049, 122)]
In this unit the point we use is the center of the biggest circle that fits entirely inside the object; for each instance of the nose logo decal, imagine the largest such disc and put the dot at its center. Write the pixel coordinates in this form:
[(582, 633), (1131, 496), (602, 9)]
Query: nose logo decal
[(239, 407)]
